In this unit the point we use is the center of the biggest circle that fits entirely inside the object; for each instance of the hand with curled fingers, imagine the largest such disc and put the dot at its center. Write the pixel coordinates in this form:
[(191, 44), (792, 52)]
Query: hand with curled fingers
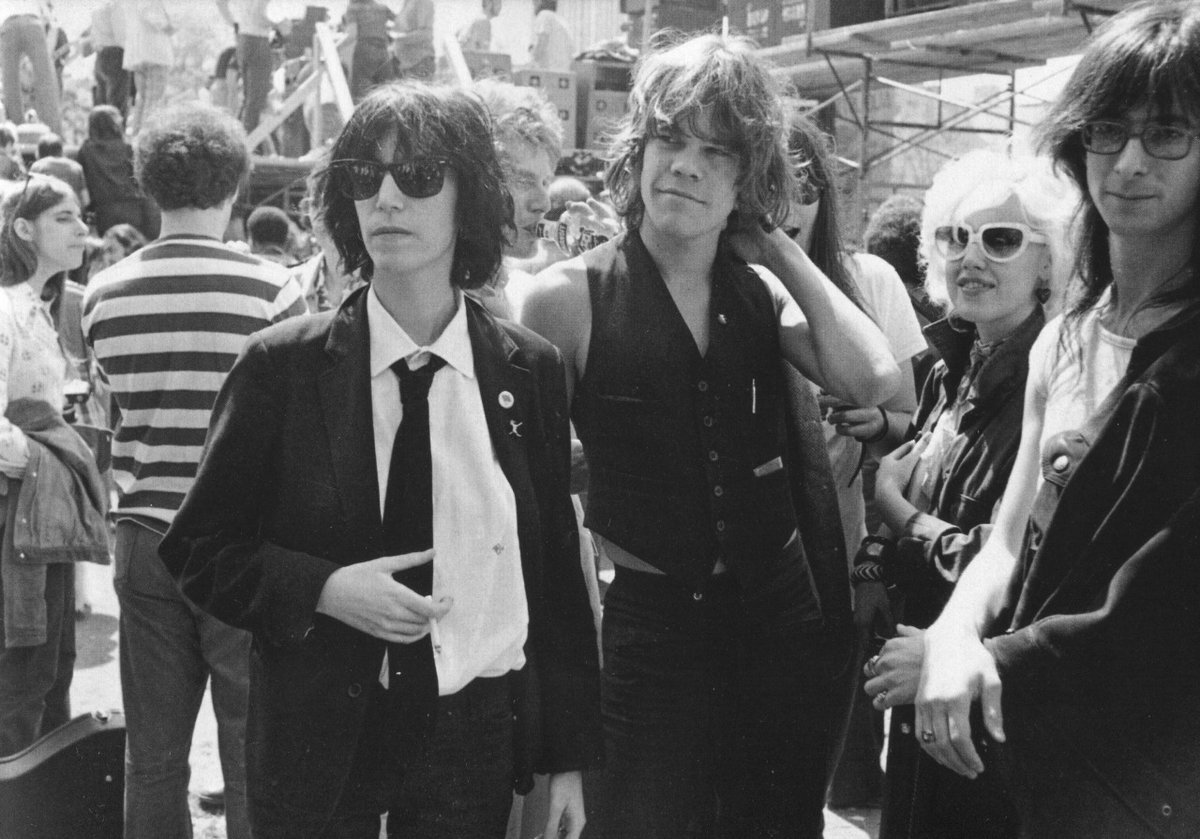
[(593, 215), (863, 424), (366, 597), (958, 670), (896, 468), (566, 813), (893, 675)]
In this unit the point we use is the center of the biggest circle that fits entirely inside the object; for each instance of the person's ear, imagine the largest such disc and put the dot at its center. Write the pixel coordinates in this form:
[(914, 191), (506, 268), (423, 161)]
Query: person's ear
[(23, 227)]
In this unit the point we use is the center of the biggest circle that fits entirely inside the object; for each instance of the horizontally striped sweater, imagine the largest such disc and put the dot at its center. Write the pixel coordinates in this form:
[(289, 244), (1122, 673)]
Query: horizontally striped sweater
[(166, 325)]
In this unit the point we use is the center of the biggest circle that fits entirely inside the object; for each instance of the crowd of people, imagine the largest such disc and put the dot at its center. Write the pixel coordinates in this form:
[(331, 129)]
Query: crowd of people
[(366, 491)]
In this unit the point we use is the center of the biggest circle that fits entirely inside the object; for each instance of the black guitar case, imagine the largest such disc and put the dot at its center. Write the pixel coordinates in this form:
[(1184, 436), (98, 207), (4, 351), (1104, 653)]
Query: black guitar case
[(70, 784)]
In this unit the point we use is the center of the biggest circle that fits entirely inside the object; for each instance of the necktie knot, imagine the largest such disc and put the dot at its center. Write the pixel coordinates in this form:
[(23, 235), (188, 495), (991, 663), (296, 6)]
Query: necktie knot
[(414, 384)]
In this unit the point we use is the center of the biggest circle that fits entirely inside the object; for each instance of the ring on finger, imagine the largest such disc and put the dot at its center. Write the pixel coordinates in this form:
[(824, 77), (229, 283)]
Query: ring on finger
[(869, 667), (881, 697)]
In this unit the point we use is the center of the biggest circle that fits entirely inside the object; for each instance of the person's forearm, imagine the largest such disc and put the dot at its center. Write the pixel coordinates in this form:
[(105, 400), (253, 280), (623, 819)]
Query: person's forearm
[(980, 593), (897, 427), (851, 353), (894, 509)]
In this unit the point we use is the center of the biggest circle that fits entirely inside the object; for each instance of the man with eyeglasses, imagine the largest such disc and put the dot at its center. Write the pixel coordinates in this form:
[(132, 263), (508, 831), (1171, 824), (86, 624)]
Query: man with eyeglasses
[(166, 325)]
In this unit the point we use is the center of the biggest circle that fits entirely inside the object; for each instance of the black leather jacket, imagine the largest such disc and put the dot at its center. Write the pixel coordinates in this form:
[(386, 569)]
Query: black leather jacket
[(1101, 664), (927, 565)]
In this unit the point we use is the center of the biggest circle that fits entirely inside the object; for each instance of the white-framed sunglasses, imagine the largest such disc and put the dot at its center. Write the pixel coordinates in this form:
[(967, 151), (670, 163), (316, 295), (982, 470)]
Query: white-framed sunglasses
[(1001, 241)]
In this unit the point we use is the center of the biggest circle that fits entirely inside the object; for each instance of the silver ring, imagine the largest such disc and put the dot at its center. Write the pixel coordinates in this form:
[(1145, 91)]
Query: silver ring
[(869, 667), (881, 697)]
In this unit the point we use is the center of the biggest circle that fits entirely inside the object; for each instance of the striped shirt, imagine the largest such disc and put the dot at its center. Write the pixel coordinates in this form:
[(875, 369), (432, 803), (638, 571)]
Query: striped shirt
[(166, 325)]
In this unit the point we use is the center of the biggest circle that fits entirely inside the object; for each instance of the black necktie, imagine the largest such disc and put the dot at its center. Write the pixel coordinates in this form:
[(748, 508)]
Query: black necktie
[(408, 527)]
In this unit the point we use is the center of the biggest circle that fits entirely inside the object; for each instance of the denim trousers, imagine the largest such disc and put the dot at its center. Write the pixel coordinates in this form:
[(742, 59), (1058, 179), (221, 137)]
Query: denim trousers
[(460, 788), (714, 725), (168, 651), (35, 682), (23, 35)]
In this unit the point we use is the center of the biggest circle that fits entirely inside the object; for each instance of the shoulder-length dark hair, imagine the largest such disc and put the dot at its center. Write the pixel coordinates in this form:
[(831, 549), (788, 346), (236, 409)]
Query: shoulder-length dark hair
[(26, 200), (1148, 54), (812, 156), (105, 123), (720, 77), (428, 121)]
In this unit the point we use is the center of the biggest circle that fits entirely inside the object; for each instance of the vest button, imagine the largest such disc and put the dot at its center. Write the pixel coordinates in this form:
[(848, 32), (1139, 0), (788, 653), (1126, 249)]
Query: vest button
[(713, 456), (354, 691), (702, 386), (720, 525), (708, 422), (1061, 463), (1167, 811), (697, 596), (718, 491)]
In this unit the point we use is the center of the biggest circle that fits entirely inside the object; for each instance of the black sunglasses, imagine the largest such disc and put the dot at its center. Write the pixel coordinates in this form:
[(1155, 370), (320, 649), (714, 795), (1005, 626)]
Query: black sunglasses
[(360, 179)]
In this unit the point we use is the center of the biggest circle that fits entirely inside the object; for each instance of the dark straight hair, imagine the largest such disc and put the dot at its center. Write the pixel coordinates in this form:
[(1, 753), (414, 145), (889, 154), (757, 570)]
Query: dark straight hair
[(1148, 54)]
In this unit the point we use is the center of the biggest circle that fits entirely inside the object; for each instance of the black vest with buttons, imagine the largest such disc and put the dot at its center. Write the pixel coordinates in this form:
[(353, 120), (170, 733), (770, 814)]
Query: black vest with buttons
[(686, 453)]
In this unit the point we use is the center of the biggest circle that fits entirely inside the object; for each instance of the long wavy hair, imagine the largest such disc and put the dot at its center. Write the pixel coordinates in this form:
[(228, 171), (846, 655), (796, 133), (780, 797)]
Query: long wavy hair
[(428, 121), (679, 81)]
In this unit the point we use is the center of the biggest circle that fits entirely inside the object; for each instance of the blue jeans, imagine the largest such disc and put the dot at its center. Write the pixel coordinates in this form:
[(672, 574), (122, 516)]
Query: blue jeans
[(35, 682), (24, 35), (168, 651), (713, 726)]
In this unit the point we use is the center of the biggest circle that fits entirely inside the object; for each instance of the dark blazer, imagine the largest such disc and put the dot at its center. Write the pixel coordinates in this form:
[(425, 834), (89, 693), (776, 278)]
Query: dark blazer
[(1101, 661), (287, 493)]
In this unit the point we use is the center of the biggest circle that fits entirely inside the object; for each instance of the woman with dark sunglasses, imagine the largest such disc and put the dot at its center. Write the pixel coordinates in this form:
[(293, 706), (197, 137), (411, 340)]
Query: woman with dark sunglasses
[(42, 235), (349, 447), (1076, 627), (994, 243)]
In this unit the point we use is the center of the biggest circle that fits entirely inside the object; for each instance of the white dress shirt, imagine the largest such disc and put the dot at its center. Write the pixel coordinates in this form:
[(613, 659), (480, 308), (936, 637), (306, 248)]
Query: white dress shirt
[(478, 560)]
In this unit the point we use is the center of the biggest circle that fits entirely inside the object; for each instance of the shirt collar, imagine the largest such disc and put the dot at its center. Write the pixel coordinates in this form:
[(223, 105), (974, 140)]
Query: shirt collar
[(390, 343)]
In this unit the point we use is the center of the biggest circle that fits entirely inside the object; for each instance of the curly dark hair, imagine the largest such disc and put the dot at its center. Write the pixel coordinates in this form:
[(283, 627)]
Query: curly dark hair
[(894, 234), (428, 121), (192, 156), (677, 82), (1147, 54)]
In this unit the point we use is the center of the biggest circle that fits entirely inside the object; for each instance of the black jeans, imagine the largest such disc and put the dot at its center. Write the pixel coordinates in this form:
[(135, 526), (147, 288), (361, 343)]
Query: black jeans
[(461, 789), (715, 725)]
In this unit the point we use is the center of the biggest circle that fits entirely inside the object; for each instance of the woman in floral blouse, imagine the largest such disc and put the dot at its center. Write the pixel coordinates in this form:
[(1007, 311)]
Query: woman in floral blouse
[(42, 233)]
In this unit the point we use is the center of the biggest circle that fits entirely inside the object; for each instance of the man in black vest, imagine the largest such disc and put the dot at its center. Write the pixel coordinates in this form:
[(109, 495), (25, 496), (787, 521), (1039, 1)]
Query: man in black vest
[(675, 350)]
